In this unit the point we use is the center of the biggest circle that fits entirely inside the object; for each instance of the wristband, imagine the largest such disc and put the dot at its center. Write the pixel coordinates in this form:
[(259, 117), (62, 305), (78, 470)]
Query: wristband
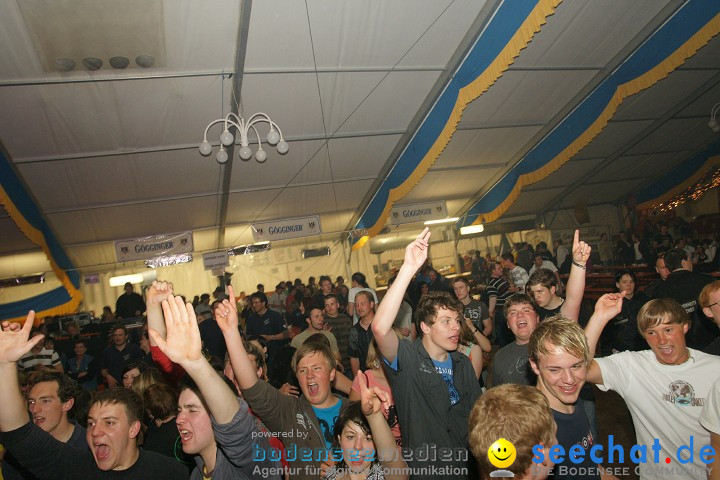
[(578, 264)]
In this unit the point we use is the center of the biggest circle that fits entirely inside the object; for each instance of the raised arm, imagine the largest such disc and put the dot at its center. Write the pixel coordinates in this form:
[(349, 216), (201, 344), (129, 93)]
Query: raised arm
[(607, 307), (575, 288), (157, 292), (479, 336), (184, 347), (415, 256), (14, 344), (226, 315), (373, 401)]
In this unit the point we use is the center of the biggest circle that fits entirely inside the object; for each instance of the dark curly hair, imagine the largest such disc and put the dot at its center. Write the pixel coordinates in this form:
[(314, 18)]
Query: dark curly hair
[(428, 306)]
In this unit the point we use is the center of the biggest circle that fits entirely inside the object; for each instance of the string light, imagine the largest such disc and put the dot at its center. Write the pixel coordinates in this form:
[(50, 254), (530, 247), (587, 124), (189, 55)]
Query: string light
[(710, 180)]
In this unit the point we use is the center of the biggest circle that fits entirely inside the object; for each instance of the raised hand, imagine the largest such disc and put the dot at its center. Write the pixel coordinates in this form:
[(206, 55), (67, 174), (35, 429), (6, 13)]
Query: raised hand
[(373, 399), (182, 344), (416, 252), (14, 341), (226, 313), (158, 292), (580, 250), (609, 306), (289, 390)]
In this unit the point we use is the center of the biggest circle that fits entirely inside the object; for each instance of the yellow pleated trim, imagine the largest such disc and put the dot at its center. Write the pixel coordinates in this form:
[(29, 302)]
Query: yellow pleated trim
[(38, 239), (683, 186), (650, 78), (467, 94)]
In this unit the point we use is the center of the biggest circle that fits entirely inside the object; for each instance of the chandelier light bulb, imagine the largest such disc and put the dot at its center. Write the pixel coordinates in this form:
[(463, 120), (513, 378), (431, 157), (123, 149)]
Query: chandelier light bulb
[(273, 137), (245, 153), (226, 138), (221, 156), (261, 155), (282, 147), (713, 124), (205, 148)]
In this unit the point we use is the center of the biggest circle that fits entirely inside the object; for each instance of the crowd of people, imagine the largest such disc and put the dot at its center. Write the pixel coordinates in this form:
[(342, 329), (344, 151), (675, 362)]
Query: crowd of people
[(322, 380)]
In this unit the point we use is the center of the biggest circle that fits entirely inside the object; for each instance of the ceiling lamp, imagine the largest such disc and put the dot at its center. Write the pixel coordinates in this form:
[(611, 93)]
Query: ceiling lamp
[(123, 279), (713, 124), (442, 221), (470, 229), (274, 137)]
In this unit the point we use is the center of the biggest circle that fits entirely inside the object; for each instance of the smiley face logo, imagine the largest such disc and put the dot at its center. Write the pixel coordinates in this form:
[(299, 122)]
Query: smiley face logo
[(502, 453)]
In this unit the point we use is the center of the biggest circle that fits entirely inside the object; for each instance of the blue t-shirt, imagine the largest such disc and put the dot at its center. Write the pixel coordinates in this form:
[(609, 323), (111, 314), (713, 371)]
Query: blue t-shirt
[(327, 418), (573, 430), (446, 372)]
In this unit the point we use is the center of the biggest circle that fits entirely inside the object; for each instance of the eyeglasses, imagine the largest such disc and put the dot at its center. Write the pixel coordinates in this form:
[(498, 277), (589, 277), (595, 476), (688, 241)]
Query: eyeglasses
[(713, 304)]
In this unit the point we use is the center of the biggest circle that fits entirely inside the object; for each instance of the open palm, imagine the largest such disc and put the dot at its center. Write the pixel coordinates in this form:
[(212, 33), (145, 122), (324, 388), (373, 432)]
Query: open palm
[(182, 343)]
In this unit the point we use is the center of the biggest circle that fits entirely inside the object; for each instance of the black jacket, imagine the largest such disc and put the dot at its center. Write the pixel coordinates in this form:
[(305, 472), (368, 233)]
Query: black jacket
[(684, 287)]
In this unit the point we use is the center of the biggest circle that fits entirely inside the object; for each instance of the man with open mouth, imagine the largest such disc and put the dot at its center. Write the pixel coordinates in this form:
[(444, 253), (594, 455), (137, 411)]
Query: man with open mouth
[(304, 423), (665, 388), (113, 427), (433, 384), (49, 399), (214, 424)]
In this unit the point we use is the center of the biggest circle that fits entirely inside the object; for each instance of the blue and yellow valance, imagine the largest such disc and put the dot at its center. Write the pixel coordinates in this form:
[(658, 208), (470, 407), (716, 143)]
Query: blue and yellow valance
[(678, 39), (26, 215), (510, 30)]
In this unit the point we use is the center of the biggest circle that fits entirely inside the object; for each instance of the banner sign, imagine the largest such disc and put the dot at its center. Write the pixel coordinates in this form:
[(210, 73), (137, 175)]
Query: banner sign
[(284, 229), (418, 212), (153, 246), (590, 234), (216, 260)]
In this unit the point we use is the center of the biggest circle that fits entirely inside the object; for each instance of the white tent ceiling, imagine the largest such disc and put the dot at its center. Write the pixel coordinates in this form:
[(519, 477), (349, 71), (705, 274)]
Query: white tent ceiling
[(112, 154)]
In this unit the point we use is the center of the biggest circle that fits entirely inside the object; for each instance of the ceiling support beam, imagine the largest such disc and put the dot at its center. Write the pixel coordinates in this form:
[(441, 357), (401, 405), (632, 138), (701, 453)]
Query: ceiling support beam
[(194, 146), (244, 22), (203, 195), (211, 73)]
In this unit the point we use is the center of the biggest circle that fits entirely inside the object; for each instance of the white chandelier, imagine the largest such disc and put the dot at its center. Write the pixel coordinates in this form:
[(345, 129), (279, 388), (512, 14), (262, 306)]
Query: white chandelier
[(713, 124), (274, 137)]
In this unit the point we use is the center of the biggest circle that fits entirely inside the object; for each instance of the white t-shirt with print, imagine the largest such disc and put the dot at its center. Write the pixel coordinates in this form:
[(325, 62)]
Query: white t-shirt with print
[(665, 402)]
